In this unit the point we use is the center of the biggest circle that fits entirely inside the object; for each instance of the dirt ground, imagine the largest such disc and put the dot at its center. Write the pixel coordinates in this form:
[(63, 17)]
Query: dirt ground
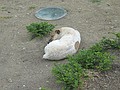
[(21, 63)]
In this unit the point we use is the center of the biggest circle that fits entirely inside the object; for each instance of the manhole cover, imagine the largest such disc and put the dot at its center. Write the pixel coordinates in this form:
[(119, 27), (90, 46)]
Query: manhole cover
[(51, 13)]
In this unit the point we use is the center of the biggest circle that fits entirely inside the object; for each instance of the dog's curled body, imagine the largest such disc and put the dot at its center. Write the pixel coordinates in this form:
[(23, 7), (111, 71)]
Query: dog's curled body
[(64, 43)]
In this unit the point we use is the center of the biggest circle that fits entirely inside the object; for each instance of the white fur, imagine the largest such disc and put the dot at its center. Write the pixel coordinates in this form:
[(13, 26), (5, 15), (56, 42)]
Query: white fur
[(64, 44)]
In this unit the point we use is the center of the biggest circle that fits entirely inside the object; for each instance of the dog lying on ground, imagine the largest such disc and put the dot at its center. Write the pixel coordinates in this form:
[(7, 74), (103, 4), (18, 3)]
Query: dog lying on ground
[(64, 42)]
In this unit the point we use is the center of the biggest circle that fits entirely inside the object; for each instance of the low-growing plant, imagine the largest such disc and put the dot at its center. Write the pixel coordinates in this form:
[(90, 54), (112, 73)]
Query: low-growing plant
[(32, 7), (113, 43), (5, 17), (94, 1), (71, 75), (40, 29), (107, 43), (3, 8), (91, 59), (98, 47)]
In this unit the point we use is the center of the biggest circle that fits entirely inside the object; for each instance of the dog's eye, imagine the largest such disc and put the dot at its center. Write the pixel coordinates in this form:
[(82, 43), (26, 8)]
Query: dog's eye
[(57, 31)]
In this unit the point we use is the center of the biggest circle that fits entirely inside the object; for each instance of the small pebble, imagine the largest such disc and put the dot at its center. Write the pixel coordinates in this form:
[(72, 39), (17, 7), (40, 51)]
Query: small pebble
[(105, 85), (115, 20), (24, 48), (9, 12), (112, 27), (23, 85), (46, 65), (21, 7), (28, 13), (10, 80), (115, 71), (108, 4), (16, 16), (40, 88), (47, 81)]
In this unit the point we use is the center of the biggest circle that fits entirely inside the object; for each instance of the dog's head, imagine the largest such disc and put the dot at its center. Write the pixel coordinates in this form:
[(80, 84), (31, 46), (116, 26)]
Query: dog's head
[(55, 35)]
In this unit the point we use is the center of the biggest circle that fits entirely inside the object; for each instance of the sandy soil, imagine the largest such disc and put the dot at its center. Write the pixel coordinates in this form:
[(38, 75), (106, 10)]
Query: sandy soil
[(21, 63)]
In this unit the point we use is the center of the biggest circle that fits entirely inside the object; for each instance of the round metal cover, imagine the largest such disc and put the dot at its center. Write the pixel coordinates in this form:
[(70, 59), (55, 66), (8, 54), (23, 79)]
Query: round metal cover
[(51, 13)]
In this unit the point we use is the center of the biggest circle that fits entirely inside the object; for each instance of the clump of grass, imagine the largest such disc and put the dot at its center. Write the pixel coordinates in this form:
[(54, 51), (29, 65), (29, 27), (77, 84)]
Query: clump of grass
[(96, 57), (3, 8), (94, 1), (32, 7), (91, 59), (5, 17), (71, 75), (40, 29), (107, 43), (113, 43)]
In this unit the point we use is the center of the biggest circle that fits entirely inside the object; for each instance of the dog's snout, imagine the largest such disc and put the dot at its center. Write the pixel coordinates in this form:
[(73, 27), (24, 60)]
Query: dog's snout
[(50, 40)]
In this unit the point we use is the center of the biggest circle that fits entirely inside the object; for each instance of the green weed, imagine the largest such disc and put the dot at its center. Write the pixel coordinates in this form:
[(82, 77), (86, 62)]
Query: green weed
[(70, 74), (94, 1), (3, 8), (5, 17), (40, 29), (32, 7), (107, 43), (113, 43), (91, 59)]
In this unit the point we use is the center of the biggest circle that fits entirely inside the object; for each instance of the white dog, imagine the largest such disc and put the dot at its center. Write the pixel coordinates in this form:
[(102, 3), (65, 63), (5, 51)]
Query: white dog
[(65, 42)]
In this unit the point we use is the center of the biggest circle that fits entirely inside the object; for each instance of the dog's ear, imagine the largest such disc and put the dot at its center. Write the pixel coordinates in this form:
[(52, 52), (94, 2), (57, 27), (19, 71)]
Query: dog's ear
[(77, 45), (57, 31)]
